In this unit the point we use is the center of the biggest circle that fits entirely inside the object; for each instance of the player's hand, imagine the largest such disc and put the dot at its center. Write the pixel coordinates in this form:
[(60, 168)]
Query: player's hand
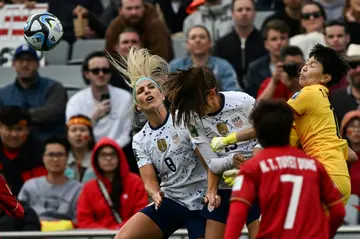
[(157, 198), (238, 159), (229, 176), (279, 69), (101, 110), (212, 200)]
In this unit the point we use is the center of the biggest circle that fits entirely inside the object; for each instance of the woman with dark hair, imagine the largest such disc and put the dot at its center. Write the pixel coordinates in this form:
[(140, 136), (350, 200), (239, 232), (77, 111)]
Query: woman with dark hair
[(195, 99), (80, 136), (313, 19), (115, 195), (352, 19)]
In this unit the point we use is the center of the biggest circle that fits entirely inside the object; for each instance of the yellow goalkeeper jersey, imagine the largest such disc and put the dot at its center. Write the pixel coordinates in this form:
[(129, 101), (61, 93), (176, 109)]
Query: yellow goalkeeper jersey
[(318, 130)]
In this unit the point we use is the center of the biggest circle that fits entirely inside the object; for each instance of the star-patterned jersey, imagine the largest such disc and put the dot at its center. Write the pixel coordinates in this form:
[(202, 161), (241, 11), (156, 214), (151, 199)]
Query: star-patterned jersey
[(169, 149), (233, 116)]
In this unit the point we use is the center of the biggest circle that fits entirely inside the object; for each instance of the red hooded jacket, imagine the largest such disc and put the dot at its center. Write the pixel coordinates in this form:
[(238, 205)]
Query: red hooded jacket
[(92, 208)]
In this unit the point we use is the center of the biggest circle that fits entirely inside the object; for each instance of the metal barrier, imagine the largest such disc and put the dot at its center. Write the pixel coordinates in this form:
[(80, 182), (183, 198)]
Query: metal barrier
[(182, 233)]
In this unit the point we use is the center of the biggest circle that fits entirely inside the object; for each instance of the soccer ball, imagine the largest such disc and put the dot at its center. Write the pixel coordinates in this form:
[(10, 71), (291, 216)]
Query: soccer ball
[(43, 31)]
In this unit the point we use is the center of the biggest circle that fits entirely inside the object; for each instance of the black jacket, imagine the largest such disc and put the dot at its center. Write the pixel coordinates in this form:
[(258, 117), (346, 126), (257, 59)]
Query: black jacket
[(229, 48)]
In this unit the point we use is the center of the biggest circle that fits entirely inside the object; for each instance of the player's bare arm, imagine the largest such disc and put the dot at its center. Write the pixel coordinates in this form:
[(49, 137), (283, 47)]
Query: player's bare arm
[(151, 184)]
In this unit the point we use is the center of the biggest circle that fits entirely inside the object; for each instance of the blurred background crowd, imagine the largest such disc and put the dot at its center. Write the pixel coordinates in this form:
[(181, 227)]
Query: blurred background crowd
[(66, 126)]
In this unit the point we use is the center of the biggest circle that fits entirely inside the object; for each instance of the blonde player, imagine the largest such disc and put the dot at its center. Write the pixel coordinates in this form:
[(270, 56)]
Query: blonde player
[(160, 147)]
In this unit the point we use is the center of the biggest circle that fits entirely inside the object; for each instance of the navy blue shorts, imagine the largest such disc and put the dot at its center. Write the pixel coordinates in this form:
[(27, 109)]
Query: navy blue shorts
[(220, 214), (172, 216)]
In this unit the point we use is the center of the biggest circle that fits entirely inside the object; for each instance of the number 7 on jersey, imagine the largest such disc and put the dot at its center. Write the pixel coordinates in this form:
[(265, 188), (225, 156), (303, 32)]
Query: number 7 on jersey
[(297, 182)]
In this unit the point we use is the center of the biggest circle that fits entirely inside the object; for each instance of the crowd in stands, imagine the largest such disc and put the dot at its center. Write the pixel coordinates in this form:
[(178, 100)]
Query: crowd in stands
[(65, 157)]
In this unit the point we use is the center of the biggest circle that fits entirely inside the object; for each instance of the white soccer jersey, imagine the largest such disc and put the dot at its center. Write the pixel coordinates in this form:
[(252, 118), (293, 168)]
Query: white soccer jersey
[(232, 117), (169, 149)]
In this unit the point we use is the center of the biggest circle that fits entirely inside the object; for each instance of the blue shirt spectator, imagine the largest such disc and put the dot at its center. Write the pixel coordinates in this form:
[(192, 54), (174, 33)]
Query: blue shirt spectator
[(44, 99), (199, 44)]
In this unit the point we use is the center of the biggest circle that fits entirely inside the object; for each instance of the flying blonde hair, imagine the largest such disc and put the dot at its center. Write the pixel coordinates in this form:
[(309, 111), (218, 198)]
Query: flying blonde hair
[(141, 64)]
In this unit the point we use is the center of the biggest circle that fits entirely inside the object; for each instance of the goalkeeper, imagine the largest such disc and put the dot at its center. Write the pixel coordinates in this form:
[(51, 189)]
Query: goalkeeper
[(315, 120)]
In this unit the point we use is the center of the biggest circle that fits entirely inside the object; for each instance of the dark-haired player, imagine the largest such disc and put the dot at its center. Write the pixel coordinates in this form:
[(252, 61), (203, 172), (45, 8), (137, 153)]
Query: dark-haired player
[(315, 120), (292, 188), (195, 101)]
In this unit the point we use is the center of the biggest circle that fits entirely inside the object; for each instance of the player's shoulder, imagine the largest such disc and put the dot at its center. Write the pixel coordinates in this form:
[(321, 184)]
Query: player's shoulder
[(237, 97), (310, 91), (141, 136), (235, 94)]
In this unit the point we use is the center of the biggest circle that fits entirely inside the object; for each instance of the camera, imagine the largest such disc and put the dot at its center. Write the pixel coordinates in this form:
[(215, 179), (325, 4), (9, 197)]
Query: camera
[(292, 69)]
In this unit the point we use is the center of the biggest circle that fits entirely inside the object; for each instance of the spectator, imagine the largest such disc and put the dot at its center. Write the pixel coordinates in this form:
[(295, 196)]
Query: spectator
[(118, 193), (350, 130), (244, 43), (81, 138), (284, 82), (108, 107), (127, 38), (30, 222), (312, 20), (43, 98), (21, 151), (215, 15), (53, 197), (352, 19), (347, 99), (92, 27), (199, 44), (174, 19), (64, 10), (333, 8), (290, 15), (143, 17), (337, 37), (269, 5), (276, 36)]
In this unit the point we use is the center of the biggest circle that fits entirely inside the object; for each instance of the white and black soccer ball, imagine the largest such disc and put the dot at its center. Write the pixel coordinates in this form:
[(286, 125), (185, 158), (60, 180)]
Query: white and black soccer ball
[(43, 31)]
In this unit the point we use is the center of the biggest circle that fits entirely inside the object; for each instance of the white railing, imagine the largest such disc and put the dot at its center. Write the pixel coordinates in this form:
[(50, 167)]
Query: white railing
[(111, 233)]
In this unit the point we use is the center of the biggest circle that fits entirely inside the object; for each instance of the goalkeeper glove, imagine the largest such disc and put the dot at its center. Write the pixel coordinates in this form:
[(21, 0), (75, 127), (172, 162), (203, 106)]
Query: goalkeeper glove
[(219, 143), (229, 176)]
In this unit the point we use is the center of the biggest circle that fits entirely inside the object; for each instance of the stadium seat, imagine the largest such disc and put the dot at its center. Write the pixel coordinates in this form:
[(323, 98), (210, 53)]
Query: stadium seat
[(260, 18), (81, 48), (352, 215), (59, 55), (69, 76), (178, 41)]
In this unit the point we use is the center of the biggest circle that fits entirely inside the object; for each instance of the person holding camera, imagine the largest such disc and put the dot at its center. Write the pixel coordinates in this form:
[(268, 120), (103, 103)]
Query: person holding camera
[(284, 81)]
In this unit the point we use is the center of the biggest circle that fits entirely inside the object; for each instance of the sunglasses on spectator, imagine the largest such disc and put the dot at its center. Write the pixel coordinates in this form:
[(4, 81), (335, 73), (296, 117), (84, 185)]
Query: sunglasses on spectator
[(307, 16), (354, 64), (97, 70)]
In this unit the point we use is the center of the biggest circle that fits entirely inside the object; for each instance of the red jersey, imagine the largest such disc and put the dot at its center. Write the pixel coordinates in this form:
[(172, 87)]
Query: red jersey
[(292, 189)]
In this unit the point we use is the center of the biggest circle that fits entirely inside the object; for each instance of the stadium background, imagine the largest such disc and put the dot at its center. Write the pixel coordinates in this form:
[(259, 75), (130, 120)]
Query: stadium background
[(63, 65)]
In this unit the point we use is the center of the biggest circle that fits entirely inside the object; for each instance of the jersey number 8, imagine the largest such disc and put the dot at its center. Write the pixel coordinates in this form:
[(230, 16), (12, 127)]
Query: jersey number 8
[(170, 164)]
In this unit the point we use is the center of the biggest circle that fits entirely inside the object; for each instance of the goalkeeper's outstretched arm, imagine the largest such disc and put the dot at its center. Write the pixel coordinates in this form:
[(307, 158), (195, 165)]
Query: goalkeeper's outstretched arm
[(219, 143)]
